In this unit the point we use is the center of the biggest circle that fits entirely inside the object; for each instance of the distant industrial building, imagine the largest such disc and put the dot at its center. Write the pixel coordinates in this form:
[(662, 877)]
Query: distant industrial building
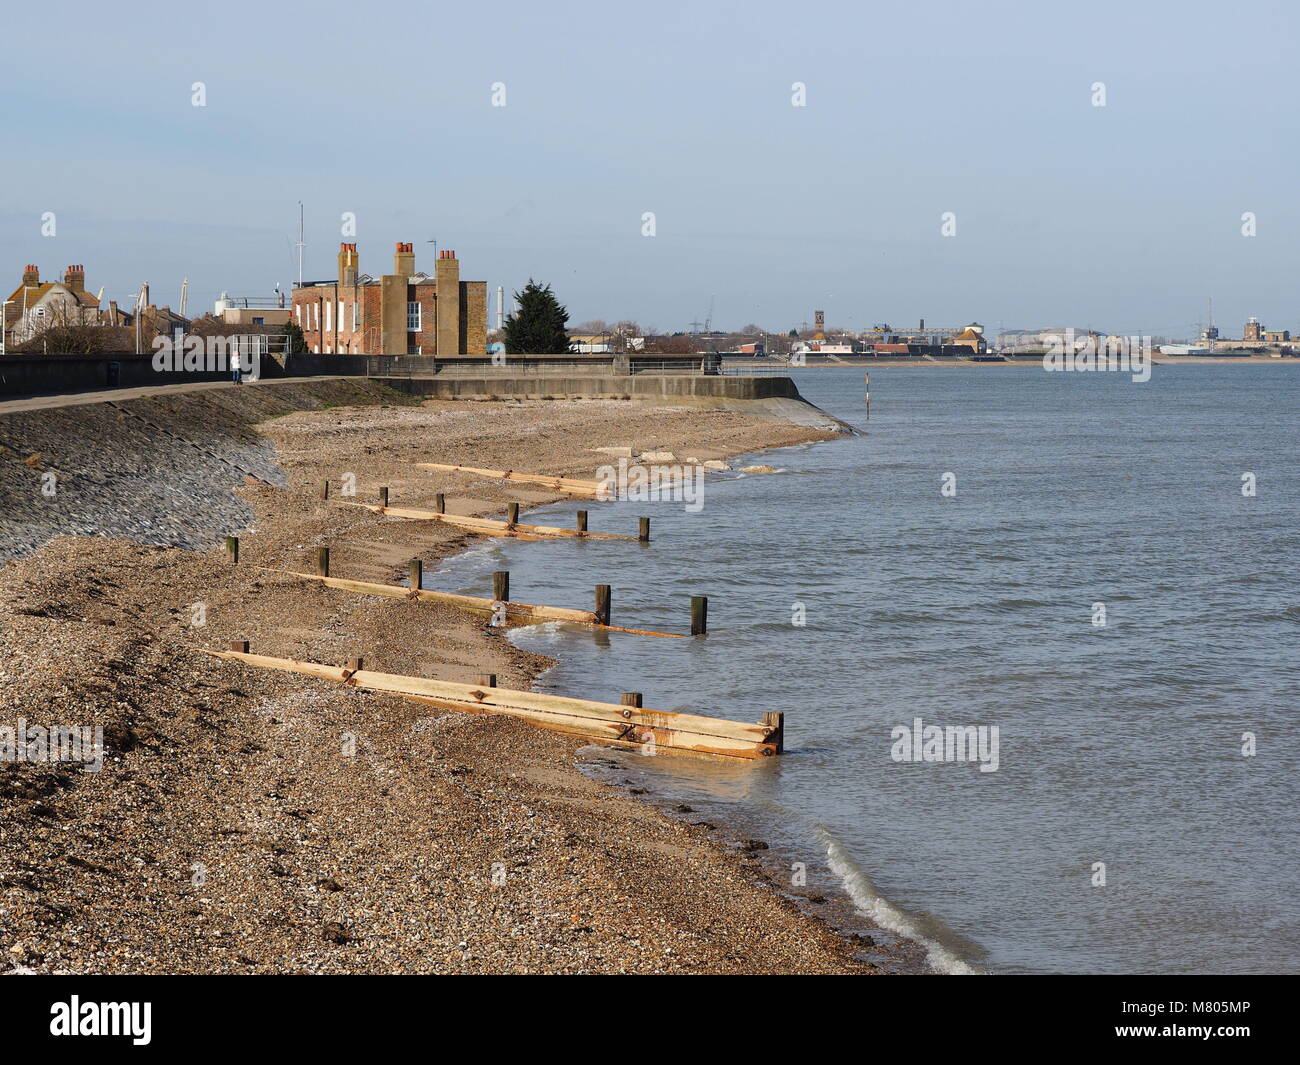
[(402, 313), (1255, 334)]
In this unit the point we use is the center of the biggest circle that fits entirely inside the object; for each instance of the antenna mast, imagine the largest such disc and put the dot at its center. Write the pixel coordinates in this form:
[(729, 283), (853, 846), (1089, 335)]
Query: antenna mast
[(300, 245)]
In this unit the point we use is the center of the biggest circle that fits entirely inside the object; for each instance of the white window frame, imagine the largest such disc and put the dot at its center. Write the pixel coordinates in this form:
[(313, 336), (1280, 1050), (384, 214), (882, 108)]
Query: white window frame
[(328, 304), (419, 317)]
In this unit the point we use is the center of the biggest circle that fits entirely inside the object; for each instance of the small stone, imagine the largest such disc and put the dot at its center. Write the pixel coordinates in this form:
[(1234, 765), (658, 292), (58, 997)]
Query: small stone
[(333, 932)]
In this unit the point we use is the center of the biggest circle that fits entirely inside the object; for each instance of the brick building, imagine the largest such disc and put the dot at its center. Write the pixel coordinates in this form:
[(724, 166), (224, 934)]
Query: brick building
[(402, 313)]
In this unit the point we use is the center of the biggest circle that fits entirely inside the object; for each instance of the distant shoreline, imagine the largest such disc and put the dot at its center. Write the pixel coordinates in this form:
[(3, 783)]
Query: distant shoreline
[(1034, 361)]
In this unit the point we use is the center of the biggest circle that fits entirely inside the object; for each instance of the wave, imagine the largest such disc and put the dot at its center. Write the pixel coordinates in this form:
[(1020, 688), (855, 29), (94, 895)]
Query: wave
[(884, 913)]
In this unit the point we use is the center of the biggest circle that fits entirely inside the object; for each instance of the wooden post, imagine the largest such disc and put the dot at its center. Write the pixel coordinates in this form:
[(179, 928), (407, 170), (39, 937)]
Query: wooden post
[(631, 699), (582, 521), (777, 720), (602, 604), (383, 496), (323, 561), (324, 489), (415, 569), (440, 503), (355, 664), (239, 645), (644, 534), (232, 548), (868, 384), (486, 680), (512, 509), (501, 586), (699, 615)]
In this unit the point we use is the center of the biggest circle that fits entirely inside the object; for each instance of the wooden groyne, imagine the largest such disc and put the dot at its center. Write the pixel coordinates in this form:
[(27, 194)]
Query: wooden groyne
[(514, 610), (568, 485), (495, 527), (627, 725)]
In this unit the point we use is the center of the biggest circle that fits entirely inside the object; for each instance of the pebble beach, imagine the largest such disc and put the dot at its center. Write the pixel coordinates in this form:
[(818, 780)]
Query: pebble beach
[(247, 821)]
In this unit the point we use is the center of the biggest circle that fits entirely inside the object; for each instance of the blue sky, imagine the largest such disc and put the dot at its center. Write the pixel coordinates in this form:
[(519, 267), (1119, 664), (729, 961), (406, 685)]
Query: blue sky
[(1123, 217)]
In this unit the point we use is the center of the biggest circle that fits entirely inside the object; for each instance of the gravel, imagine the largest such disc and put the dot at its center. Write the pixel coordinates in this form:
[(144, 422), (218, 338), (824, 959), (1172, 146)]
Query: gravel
[(247, 821)]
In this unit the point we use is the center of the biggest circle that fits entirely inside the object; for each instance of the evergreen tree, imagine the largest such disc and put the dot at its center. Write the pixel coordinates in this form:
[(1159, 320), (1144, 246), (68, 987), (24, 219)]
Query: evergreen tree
[(539, 326), (295, 342)]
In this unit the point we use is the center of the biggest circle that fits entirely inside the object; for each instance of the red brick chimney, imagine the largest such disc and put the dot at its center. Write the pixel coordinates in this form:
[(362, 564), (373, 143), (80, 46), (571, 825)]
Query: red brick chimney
[(74, 278), (31, 275), (347, 264)]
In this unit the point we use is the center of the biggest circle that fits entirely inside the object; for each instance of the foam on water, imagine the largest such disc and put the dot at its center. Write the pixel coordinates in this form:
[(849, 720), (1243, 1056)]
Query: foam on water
[(883, 913)]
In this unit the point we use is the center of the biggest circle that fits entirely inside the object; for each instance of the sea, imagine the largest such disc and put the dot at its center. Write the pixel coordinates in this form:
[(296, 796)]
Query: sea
[(1102, 570)]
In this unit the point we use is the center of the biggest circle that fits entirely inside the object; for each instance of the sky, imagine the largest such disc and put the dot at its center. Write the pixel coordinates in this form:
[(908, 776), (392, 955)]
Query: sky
[(1125, 217)]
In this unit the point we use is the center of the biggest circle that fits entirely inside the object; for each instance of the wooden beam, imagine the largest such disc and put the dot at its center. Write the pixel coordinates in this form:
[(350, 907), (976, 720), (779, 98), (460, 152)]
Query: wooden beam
[(699, 615), (488, 526), (622, 725), (568, 485), (477, 604)]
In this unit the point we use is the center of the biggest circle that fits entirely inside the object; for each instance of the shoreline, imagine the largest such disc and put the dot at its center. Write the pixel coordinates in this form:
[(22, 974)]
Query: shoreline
[(830, 895), (228, 834), (1028, 361)]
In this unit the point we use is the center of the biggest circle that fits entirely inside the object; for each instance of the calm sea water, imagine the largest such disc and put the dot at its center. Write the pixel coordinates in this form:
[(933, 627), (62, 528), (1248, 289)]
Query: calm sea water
[(1119, 744)]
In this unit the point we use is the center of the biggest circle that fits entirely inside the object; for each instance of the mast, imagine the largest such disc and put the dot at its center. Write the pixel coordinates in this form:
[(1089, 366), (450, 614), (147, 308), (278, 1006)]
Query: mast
[(300, 245)]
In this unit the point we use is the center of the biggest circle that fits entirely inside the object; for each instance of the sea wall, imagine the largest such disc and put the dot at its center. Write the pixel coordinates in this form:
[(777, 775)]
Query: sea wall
[(597, 386), (158, 469)]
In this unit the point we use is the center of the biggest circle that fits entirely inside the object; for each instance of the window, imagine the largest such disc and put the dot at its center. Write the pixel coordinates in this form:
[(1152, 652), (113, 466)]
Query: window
[(413, 316), (327, 315), (259, 321), (315, 315), (356, 315), (297, 313), (341, 325)]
